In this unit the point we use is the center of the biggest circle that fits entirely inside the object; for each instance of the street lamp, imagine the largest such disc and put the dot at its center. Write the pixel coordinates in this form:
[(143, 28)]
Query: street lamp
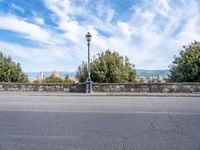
[(88, 81)]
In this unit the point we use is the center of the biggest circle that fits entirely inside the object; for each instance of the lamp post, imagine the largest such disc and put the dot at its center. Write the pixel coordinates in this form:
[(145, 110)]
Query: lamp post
[(88, 81)]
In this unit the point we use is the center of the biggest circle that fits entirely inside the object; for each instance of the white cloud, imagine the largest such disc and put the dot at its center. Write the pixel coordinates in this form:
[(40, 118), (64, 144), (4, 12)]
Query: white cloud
[(39, 21), (157, 48), (158, 41), (40, 58), (17, 7), (150, 37), (41, 54), (28, 30)]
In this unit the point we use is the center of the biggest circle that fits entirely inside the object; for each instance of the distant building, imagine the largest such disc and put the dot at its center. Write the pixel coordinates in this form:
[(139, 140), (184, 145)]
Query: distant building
[(55, 74), (74, 79), (151, 79), (38, 79), (40, 76)]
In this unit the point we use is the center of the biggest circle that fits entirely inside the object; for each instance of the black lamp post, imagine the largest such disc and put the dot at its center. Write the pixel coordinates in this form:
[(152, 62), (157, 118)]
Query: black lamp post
[(88, 81)]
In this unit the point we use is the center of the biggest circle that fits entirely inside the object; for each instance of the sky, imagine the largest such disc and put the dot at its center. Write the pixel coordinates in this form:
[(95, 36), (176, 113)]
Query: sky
[(49, 35)]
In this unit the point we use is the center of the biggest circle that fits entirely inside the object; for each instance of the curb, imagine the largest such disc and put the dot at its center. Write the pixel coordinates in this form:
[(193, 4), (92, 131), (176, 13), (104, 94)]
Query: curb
[(99, 94)]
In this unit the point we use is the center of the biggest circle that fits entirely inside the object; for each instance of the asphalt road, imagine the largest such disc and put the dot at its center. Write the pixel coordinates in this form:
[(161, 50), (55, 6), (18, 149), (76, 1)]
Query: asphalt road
[(99, 123)]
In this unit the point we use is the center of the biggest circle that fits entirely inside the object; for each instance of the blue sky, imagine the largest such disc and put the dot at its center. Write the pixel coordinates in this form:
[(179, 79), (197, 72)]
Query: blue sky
[(47, 35)]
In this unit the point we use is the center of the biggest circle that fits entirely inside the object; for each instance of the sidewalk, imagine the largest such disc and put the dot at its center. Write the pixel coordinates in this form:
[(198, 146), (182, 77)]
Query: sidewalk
[(14, 93)]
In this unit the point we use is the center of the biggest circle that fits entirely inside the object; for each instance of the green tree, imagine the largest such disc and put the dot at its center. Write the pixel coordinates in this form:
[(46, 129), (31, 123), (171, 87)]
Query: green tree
[(11, 71), (186, 67), (108, 67), (81, 73), (68, 80), (53, 79)]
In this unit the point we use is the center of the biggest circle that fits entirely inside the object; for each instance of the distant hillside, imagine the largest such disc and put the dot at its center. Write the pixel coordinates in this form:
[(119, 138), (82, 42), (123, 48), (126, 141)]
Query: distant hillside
[(142, 73)]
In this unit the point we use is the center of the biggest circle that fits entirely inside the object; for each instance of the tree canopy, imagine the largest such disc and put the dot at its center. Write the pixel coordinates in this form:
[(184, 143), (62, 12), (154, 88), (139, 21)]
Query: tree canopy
[(108, 67), (11, 71), (53, 79), (186, 67)]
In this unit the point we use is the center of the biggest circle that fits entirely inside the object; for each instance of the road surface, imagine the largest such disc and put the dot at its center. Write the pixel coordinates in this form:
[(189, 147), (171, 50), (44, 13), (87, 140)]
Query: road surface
[(99, 123)]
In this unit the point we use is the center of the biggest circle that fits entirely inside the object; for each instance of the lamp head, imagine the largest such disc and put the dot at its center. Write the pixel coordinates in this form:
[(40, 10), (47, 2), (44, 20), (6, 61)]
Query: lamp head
[(88, 37)]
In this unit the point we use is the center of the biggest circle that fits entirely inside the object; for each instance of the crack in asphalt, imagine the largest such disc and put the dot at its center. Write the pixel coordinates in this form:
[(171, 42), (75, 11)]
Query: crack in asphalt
[(153, 124)]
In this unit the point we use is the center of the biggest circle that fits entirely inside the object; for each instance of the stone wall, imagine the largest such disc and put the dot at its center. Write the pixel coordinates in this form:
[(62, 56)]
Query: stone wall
[(76, 88), (149, 87), (103, 88)]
